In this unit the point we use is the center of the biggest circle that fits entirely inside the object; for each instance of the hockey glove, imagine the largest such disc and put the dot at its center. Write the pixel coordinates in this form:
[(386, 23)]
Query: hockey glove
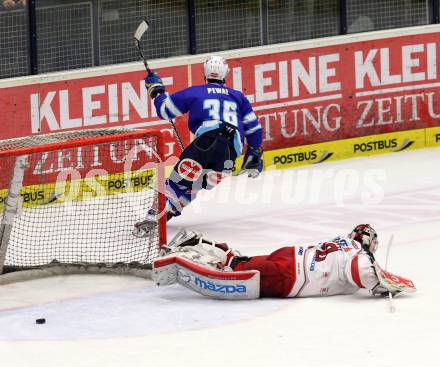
[(389, 282), (380, 290), (143, 229), (154, 85), (252, 162)]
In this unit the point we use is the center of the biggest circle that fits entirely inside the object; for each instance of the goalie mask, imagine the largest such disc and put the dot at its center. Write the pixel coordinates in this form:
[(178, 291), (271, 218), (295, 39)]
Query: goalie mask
[(216, 68), (366, 236)]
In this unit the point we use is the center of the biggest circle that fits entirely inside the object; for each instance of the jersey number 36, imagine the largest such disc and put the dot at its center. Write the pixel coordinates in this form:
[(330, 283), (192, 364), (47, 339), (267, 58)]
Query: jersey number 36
[(222, 110)]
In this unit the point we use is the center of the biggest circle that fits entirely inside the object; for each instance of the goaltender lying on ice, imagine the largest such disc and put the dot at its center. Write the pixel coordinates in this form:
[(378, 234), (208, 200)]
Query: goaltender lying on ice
[(340, 266)]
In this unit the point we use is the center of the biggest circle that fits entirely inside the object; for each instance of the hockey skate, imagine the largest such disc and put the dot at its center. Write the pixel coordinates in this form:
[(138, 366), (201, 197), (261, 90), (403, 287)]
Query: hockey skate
[(143, 229), (183, 238)]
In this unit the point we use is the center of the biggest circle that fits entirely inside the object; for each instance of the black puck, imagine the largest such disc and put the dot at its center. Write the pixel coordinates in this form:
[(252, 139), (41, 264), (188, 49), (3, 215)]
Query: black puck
[(40, 321)]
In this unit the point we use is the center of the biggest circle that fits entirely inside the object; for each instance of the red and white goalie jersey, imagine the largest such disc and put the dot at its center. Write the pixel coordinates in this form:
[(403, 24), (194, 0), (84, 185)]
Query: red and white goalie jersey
[(340, 266), (337, 267)]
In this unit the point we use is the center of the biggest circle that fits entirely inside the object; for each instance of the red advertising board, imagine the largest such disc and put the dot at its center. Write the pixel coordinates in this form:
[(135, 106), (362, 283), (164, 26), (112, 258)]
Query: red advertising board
[(93, 102), (342, 91), (302, 96)]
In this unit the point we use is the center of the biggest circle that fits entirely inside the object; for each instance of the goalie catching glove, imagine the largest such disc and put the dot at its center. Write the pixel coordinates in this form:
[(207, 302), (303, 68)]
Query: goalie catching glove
[(252, 162), (391, 283), (154, 85)]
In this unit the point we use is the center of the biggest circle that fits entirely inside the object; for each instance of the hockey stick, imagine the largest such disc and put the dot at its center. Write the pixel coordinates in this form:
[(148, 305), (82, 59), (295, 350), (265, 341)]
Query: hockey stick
[(141, 29), (390, 295)]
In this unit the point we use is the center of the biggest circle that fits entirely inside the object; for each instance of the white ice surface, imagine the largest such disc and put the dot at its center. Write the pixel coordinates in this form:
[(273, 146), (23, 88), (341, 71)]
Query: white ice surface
[(123, 321)]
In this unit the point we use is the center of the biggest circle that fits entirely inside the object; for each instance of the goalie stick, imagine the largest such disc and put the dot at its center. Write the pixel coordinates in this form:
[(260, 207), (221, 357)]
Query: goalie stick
[(392, 283), (141, 29), (390, 295)]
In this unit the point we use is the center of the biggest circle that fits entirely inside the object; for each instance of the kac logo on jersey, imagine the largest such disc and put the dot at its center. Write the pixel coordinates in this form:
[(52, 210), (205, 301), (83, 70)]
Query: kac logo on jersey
[(301, 251), (189, 169), (220, 288)]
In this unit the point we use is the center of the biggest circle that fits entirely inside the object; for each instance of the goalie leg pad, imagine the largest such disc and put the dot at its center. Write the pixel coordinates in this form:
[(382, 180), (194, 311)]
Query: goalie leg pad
[(203, 279), (165, 269), (165, 275)]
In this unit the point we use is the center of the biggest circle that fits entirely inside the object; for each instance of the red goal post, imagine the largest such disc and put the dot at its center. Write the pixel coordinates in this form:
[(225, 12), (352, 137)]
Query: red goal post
[(68, 202)]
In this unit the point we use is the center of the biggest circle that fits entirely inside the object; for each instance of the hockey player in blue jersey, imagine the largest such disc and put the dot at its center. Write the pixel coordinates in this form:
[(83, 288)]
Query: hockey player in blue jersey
[(222, 121)]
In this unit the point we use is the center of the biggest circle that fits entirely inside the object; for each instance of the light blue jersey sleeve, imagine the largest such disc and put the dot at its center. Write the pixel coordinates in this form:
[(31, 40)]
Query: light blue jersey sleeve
[(251, 126)]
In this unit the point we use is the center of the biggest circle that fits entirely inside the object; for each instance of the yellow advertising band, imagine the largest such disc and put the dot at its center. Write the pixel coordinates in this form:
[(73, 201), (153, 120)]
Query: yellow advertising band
[(86, 188), (82, 189)]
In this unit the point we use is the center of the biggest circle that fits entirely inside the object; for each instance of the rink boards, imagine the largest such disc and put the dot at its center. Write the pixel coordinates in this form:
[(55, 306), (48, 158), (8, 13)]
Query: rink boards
[(352, 148), (71, 190)]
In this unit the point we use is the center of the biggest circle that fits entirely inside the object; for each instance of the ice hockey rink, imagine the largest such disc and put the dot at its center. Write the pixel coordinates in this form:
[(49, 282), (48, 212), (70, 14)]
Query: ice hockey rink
[(126, 321)]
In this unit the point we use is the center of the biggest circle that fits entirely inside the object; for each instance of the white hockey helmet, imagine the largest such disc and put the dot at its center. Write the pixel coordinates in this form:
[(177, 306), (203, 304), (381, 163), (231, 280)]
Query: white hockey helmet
[(216, 68), (366, 236)]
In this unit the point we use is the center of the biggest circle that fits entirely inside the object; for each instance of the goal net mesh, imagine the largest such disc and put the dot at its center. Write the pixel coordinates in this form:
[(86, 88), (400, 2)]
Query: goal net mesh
[(80, 195)]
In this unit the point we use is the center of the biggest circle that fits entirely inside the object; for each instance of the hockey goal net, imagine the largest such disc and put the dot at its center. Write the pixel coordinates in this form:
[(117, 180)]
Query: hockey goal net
[(68, 202)]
